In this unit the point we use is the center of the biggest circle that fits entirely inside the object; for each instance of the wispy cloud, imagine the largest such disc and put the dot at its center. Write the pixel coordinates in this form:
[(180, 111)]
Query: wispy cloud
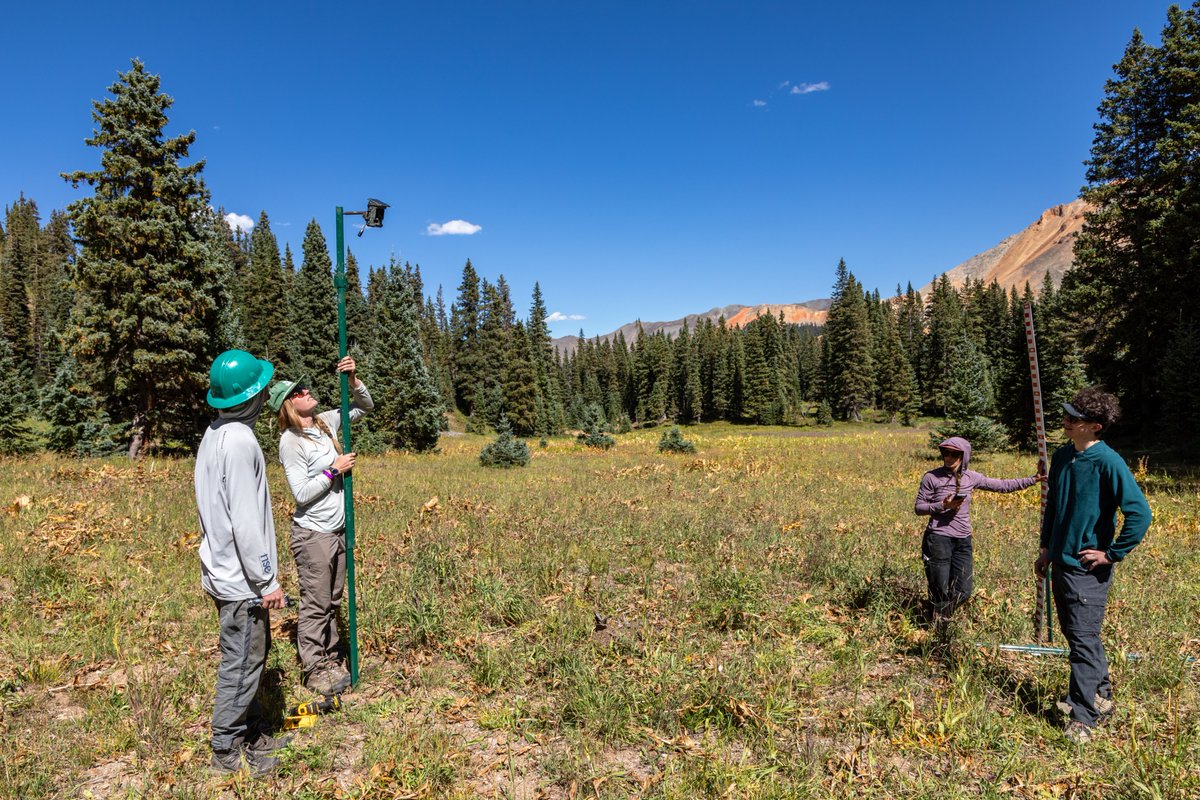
[(759, 103), (239, 221), (455, 227), (558, 316), (809, 88)]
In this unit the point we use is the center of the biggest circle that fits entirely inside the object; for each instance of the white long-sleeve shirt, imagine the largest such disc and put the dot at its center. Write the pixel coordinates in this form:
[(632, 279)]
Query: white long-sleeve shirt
[(306, 455), (238, 559)]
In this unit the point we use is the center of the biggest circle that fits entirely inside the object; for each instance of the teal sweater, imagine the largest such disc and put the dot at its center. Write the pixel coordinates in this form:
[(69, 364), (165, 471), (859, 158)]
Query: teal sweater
[(1086, 489)]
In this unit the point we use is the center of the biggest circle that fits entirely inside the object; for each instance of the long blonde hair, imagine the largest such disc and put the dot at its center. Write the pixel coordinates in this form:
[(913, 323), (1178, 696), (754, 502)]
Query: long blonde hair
[(289, 420)]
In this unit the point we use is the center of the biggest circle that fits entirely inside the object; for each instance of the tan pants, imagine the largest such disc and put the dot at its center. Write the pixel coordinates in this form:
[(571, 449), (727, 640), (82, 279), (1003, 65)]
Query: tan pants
[(321, 564)]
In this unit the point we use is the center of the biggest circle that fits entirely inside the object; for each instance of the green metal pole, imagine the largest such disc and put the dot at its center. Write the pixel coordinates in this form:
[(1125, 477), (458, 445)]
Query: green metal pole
[(339, 282)]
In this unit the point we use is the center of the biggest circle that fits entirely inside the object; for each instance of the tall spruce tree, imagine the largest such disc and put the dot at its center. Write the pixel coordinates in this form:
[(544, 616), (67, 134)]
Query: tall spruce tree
[(19, 264), (970, 401), (898, 393), (313, 327), (849, 369), (265, 317), (146, 321), (466, 358), (408, 411), (53, 297), (1137, 266)]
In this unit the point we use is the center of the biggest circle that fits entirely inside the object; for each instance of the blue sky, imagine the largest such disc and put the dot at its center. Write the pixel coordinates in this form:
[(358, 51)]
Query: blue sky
[(639, 159)]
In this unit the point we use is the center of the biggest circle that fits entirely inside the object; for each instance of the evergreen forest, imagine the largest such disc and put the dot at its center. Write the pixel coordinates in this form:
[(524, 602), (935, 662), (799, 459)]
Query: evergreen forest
[(112, 309)]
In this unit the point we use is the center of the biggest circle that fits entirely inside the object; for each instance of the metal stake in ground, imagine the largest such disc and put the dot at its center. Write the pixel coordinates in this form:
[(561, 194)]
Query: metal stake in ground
[(1042, 615), (373, 218)]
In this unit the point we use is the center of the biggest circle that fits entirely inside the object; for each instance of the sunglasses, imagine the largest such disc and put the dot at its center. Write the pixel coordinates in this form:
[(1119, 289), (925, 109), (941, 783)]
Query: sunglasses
[(301, 392), (1074, 419)]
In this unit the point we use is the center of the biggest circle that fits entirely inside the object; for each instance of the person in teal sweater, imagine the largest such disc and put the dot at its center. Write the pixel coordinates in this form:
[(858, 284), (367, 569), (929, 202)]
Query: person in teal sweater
[(1080, 543)]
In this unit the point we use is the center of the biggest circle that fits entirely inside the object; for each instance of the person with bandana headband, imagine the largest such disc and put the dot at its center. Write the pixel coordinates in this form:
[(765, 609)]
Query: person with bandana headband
[(946, 548), (314, 464)]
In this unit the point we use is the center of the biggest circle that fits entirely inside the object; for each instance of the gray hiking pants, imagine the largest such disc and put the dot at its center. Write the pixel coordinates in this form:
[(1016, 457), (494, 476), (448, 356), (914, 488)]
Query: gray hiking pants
[(321, 565), (1080, 597), (245, 640)]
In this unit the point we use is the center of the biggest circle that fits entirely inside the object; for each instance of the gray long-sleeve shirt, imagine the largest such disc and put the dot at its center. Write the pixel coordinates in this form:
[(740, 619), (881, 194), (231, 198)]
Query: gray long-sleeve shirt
[(305, 456), (238, 559)]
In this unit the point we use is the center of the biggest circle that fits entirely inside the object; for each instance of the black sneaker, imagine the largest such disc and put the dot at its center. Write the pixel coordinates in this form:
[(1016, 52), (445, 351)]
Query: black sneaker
[(265, 744), (257, 764)]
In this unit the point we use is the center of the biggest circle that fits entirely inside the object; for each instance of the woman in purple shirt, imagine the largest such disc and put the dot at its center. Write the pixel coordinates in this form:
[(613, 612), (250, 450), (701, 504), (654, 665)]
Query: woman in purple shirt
[(945, 497)]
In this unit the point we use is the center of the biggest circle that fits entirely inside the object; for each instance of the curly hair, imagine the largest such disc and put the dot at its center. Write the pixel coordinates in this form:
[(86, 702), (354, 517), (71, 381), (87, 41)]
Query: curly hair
[(1099, 405)]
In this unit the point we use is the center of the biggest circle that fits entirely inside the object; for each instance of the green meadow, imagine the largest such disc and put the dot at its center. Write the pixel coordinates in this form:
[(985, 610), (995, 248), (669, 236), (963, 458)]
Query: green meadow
[(741, 622)]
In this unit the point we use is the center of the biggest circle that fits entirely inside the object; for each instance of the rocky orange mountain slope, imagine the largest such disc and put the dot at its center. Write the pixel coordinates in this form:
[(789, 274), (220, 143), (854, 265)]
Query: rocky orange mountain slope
[(1044, 247)]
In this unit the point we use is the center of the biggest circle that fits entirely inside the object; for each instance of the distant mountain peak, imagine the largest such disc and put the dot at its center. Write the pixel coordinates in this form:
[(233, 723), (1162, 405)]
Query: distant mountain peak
[(1046, 246)]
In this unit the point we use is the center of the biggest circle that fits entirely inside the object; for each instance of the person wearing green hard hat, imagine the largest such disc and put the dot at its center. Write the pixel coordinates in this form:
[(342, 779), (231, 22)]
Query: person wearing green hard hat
[(313, 463), (238, 558)]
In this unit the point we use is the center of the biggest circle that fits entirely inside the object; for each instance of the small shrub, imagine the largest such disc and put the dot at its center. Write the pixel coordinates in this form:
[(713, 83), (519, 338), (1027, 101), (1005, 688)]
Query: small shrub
[(595, 428), (506, 451), (824, 414), (672, 441)]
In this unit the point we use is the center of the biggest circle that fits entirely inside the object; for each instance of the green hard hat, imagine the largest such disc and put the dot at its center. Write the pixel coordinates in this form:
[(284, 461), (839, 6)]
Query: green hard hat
[(235, 377), (280, 392)]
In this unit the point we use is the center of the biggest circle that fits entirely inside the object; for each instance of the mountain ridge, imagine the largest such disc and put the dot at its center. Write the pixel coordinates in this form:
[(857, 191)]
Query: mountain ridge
[(1046, 246)]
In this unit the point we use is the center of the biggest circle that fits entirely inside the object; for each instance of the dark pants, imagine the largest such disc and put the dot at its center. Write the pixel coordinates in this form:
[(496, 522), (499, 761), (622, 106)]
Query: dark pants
[(1080, 597), (245, 640), (950, 571), (321, 565)]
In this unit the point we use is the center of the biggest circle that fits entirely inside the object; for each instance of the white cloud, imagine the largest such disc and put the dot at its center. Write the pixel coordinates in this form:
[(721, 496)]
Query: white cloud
[(455, 227), (809, 88), (236, 221), (558, 316), (759, 103)]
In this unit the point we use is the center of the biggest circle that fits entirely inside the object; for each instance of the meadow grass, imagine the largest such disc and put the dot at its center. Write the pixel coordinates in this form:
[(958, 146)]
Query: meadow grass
[(746, 621)]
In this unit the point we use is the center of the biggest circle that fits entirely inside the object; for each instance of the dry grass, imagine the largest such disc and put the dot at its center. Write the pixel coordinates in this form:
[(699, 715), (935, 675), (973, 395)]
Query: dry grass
[(744, 622)]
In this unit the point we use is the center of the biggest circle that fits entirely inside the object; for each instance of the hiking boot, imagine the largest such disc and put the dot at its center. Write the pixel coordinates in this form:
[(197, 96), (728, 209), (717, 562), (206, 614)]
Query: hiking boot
[(1105, 706), (327, 680), (257, 764), (265, 744), (1078, 733), (343, 674)]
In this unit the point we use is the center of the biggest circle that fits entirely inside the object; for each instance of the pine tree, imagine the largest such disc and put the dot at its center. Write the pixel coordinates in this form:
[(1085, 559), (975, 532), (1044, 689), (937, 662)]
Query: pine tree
[(53, 297), (15, 434), (146, 321), (897, 381), (944, 321), (229, 333), (1137, 267), (506, 451), (850, 371), (551, 419), (1181, 388), (408, 408), (466, 358), (265, 317), (970, 402), (358, 316), (78, 426), (22, 257), (521, 394), (313, 324)]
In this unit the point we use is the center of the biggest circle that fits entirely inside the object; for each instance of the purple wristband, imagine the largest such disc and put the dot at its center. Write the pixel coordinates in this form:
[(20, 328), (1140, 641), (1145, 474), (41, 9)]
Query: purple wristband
[(327, 474)]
